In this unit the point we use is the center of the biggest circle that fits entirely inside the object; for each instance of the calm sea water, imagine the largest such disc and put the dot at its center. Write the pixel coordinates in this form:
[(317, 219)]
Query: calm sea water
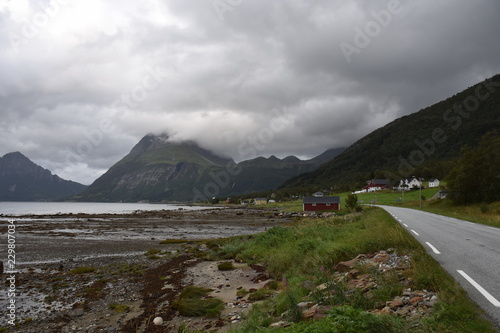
[(38, 208)]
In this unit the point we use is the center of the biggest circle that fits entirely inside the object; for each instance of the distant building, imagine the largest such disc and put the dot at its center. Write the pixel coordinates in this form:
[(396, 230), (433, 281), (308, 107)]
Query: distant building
[(376, 184), (434, 183), (260, 201), (408, 184), (318, 194), (321, 203)]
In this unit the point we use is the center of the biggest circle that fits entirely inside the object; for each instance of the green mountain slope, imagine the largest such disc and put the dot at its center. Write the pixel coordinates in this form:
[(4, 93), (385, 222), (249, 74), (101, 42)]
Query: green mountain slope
[(418, 143), (158, 169), (23, 180)]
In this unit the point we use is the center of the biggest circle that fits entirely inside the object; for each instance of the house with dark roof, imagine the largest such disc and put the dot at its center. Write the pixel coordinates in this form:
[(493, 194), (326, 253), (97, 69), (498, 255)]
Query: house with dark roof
[(376, 184), (321, 203)]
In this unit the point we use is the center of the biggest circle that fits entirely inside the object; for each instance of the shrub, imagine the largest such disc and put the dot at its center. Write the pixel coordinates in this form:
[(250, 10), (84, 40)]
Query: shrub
[(260, 294), (242, 292), (191, 303)]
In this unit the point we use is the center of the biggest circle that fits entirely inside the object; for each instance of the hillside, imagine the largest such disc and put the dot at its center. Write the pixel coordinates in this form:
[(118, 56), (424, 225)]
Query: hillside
[(158, 169), (23, 180), (421, 143)]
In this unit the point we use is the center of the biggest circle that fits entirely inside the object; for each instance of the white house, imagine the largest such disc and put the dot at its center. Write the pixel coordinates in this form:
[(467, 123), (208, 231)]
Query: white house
[(408, 184), (434, 182)]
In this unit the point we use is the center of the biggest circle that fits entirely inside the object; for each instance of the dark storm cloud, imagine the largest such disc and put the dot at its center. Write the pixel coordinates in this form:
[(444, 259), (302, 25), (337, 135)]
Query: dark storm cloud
[(81, 83)]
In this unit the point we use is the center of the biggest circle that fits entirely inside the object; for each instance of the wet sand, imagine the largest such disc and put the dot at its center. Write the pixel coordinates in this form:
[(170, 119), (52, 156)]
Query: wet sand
[(76, 236)]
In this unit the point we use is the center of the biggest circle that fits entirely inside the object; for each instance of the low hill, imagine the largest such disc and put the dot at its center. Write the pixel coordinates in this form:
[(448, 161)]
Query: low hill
[(422, 143), (23, 180)]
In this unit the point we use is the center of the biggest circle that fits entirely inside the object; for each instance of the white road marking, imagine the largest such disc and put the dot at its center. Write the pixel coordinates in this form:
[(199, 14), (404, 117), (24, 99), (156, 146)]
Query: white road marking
[(433, 248), (486, 294), (406, 225), (416, 233)]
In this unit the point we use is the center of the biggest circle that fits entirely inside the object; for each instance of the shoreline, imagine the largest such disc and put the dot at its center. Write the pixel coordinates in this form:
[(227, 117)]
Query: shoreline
[(52, 298)]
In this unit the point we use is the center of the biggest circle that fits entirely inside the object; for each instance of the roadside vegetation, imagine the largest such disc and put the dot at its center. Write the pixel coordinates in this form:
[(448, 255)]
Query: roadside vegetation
[(309, 249)]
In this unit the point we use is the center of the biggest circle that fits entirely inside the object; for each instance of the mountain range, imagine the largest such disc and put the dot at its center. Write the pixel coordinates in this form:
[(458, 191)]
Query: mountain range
[(23, 180), (159, 169), (425, 143)]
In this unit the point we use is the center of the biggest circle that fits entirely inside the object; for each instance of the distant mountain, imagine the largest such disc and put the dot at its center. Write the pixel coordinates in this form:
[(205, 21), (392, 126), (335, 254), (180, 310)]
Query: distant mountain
[(23, 180), (263, 174), (423, 143), (159, 169)]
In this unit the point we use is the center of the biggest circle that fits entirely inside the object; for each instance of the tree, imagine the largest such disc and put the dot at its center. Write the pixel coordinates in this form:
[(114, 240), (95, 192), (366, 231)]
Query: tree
[(476, 175), (351, 202)]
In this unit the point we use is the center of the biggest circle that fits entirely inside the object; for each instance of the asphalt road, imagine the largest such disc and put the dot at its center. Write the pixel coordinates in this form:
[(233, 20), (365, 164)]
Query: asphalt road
[(470, 252)]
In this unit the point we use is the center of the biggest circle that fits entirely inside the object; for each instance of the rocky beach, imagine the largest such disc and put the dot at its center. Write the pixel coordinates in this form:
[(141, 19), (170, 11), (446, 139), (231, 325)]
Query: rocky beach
[(117, 272)]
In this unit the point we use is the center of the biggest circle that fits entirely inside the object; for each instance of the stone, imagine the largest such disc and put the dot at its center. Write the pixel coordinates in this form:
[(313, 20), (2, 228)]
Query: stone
[(158, 321), (386, 310), (346, 266), (354, 273), (395, 304), (305, 305), (322, 286), (309, 313), (415, 300), (280, 323)]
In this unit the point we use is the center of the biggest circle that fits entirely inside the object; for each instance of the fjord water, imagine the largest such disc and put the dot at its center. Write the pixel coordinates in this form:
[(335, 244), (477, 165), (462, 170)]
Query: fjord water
[(53, 208)]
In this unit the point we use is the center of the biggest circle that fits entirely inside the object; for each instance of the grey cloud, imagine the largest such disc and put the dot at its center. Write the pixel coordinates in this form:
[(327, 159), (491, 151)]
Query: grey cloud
[(221, 79)]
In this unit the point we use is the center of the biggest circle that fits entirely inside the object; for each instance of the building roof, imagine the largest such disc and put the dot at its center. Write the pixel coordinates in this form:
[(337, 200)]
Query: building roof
[(380, 181), (320, 200)]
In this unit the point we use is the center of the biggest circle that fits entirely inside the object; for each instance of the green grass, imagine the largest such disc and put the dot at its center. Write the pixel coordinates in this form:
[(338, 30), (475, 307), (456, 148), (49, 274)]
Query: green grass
[(119, 308), (309, 249), (484, 213), (260, 294)]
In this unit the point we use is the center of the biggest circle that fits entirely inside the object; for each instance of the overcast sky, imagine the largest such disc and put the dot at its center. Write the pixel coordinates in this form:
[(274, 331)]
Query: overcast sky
[(81, 82)]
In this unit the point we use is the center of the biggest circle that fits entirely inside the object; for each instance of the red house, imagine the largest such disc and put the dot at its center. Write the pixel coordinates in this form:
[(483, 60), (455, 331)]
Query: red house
[(321, 203), (376, 184)]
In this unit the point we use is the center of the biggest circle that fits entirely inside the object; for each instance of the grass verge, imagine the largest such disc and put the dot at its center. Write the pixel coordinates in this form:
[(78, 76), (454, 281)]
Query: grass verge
[(309, 249)]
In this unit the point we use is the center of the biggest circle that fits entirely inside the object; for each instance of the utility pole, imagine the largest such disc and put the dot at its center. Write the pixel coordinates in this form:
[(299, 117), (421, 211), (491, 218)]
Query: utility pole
[(420, 181)]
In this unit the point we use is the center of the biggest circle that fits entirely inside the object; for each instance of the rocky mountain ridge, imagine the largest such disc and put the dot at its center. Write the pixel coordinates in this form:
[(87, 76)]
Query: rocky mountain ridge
[(23, 180)]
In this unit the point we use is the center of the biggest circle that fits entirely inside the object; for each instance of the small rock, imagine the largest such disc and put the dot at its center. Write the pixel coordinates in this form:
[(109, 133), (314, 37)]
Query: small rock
[(280, 323), (415, 300), (346, 266), (386, 310), (305, 305), (158, 321), (395, 303)]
